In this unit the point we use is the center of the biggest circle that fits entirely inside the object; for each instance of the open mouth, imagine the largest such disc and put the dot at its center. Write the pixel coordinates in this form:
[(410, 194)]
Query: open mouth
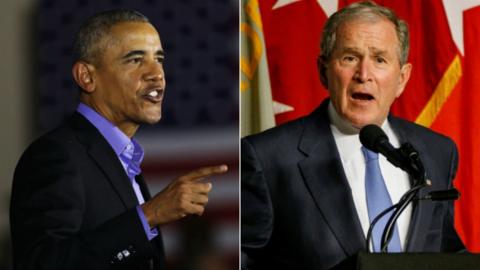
[(154, 95), (362, 96)]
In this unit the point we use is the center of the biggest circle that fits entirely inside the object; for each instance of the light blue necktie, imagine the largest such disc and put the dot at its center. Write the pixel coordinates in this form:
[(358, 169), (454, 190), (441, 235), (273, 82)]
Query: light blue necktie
[(378, 200)]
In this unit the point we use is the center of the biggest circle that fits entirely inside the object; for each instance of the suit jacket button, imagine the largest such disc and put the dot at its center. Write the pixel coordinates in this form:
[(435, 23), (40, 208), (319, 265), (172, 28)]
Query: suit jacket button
[(120, 256), (126, 253)]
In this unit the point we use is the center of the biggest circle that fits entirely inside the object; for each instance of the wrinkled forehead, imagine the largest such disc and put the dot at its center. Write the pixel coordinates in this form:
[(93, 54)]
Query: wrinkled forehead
[(377, 32), (369, 19)]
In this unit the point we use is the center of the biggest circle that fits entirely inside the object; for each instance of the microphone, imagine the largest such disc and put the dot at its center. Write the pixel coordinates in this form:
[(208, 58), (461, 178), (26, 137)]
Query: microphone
[(406, 157), (373, 138)]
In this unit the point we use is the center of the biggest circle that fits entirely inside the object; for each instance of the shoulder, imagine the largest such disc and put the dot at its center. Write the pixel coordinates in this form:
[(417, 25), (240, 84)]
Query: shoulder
[(289, 131), (60, 138), (415, 132), (271, 146), (56, 147), (291, 141), (292, 132), (50, 163), (438, 152)]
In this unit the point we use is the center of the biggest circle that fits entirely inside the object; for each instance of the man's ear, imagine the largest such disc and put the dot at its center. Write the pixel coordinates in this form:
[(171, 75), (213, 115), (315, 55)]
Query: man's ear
[(83, 74), (322, 70), (405, 72)]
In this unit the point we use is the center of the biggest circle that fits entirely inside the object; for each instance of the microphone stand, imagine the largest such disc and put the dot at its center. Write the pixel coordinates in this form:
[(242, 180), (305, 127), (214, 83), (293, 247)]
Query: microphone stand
[(402, 204), (400, 207), (413, 190), (419, 177)]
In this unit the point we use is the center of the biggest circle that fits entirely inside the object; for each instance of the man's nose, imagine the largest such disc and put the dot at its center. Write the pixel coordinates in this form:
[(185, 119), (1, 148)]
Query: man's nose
[(154, 72), (363, 72)]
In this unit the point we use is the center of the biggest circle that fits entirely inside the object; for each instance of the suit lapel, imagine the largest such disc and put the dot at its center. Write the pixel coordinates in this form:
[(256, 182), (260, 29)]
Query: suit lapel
[(143, 187), (422, 210), (325, 178), (106, 159)]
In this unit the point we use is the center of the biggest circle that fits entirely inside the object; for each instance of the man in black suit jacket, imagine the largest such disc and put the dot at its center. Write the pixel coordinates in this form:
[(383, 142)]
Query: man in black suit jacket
[(302, 206), (78, 200)]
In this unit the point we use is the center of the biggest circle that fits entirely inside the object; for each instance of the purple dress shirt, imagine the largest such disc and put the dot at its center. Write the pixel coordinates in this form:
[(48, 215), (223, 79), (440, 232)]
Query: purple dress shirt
[(128, 151)]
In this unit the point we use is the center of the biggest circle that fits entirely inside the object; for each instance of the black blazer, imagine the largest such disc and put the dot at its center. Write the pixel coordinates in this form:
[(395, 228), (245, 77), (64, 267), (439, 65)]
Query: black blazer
[(73, 206), (297, 207)]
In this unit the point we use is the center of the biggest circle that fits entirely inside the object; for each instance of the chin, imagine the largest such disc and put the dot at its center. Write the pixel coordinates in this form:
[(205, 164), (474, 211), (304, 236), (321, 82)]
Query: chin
[(151, 116), (360, 121), (361, 118), (153, 120), (149, 119)]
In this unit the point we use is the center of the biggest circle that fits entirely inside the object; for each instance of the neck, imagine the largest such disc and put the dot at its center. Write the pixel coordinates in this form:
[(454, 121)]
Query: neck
[(129, 128), (341, 124)]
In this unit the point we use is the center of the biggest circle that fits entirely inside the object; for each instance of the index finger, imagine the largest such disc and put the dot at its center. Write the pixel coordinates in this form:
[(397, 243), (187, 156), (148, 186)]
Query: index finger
[(199, 174)]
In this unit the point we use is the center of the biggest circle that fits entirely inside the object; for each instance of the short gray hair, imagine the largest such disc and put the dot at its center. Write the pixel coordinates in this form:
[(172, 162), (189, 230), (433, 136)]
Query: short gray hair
[(97, 27), (361, 11)]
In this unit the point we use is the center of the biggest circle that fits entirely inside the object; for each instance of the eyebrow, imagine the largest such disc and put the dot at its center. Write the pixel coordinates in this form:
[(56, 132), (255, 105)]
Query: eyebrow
[(160, 53), (375, 51), (350, 50)]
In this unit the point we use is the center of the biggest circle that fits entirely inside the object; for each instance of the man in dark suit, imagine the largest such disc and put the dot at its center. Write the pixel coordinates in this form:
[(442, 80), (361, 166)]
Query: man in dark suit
[(306, 196), (78, 198)]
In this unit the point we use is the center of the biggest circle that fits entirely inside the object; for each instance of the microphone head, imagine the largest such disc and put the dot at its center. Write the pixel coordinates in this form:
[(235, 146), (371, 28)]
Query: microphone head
[(371, 136)]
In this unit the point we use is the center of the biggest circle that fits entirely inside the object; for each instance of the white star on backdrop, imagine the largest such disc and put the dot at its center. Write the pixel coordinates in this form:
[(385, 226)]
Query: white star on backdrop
[(328, 6), (454, 10), (282, 3)]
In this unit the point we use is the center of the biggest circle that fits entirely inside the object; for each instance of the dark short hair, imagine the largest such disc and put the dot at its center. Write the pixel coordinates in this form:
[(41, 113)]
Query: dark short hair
[(96, 27), (367, 10)]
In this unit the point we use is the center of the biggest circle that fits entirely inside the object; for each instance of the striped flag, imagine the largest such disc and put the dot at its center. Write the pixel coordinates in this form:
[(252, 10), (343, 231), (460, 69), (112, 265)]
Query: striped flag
[(442, 92), (256, 98)]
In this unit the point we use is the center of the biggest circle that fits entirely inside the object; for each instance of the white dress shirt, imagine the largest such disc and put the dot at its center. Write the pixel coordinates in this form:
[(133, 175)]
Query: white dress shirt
[(397, 181)]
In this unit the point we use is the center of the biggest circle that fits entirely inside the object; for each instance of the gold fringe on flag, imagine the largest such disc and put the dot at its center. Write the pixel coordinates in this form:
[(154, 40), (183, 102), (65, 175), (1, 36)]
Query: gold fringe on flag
[(441, 93)]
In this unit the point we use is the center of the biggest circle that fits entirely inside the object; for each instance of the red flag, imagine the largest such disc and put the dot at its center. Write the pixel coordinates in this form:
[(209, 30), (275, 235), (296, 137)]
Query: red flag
[(467, 112), (292, 37)]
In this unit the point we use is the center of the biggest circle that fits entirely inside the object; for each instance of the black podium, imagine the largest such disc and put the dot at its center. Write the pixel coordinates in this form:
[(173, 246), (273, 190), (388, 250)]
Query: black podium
[(411, 261)]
